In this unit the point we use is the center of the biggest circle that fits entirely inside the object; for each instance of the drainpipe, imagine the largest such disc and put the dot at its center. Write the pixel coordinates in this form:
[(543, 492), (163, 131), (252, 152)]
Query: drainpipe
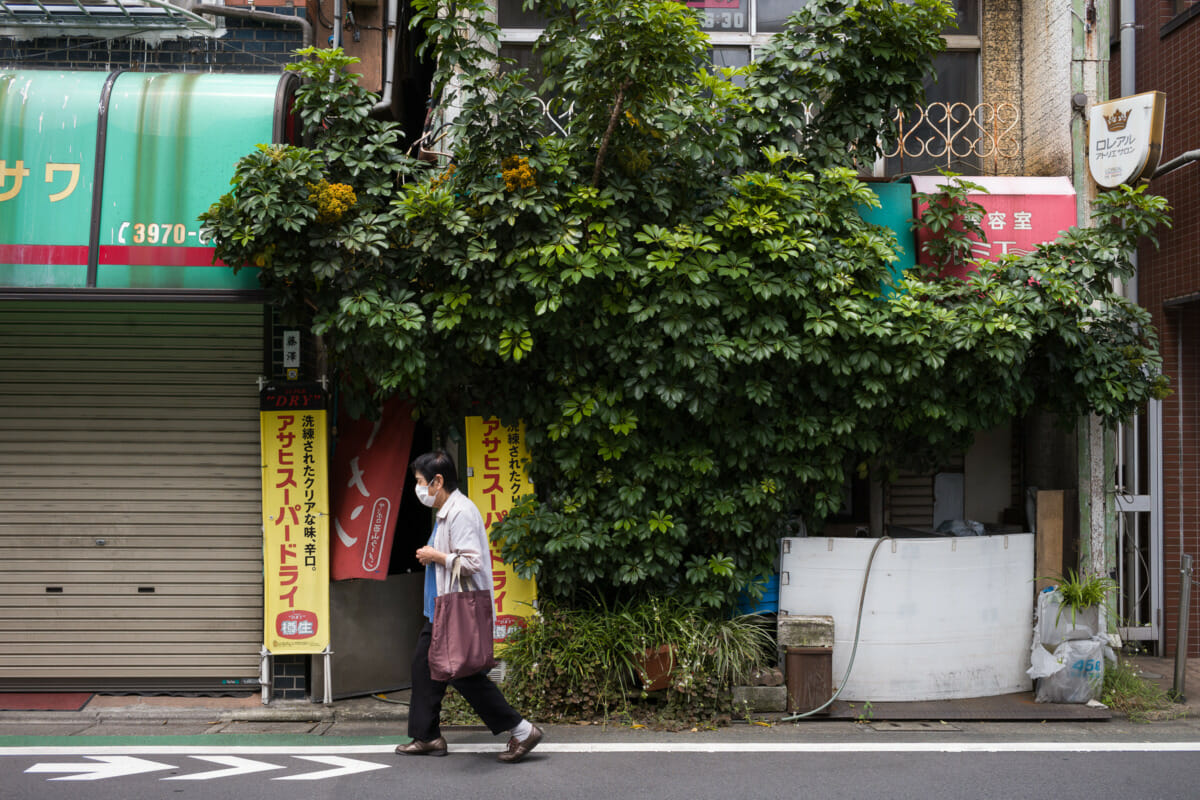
[(265, 17), (1128, 87), (1181, 635), (1177, 162), (336, 39), (384, 106), (1128, 48)]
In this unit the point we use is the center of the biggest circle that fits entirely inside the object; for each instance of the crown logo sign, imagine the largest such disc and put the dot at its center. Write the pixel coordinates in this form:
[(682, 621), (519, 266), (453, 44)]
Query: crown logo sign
[(1116, 122)]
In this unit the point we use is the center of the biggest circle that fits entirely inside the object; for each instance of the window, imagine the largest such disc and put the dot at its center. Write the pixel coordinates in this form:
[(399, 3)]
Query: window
[(736, 28), (102, 17), (951, 103), (511, 14), (734, 25)]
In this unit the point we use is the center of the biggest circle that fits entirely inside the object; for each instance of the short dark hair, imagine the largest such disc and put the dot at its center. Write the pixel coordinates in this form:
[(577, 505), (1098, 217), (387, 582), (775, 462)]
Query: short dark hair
[(437, 462)]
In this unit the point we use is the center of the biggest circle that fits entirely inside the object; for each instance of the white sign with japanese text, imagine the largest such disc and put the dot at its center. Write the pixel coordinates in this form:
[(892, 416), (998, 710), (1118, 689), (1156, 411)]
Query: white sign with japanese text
[(1125, 138)]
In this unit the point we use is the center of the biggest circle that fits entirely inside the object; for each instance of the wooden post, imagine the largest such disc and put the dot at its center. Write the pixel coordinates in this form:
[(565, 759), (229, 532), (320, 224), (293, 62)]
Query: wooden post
[(1056, 527)]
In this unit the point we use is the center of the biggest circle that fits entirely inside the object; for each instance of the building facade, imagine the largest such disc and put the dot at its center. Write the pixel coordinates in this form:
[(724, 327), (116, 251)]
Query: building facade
[(130, 417), (1153, 48), (132, 539)]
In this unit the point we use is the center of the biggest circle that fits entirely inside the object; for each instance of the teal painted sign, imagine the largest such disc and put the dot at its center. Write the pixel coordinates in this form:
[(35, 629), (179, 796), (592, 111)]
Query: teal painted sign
[(47, 164), (169, 146), (894, 213)]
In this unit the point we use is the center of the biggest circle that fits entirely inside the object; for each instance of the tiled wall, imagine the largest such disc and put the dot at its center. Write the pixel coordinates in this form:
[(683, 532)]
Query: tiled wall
[(1168, 41), (290, 681)]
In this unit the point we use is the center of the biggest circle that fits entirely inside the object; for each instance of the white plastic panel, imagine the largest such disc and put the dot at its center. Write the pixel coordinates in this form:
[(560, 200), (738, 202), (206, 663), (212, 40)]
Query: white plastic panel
[(943, 618)]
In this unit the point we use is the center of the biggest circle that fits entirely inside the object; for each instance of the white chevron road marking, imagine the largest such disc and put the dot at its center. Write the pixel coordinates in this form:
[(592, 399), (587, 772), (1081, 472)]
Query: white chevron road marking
[(236, 766), (106, 767), (342, 766)]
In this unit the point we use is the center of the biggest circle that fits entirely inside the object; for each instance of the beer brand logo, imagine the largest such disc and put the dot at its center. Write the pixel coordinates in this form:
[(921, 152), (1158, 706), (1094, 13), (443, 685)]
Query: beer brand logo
[(296, 624), (1116, 121)]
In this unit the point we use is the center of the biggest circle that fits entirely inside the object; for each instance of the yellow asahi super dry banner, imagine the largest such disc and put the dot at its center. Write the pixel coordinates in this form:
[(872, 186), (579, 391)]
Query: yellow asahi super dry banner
[(496, 458), (295, 499)]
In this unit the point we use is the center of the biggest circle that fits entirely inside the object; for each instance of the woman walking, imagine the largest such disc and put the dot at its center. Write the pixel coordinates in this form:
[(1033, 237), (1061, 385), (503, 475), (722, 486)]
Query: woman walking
[(458, 535)]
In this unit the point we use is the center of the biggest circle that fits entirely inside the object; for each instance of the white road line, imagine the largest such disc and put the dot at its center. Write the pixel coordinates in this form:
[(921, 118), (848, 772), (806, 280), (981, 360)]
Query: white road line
[(628, 747)]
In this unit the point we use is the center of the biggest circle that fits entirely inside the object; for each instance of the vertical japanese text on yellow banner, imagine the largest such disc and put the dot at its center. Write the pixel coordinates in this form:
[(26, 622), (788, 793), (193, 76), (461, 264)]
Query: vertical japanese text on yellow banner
[(496, 459), (295, 528)]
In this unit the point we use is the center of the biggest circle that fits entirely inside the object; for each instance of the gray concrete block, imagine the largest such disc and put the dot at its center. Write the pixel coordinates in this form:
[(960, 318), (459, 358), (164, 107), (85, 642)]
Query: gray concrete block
[(758, 700), (802, 630)]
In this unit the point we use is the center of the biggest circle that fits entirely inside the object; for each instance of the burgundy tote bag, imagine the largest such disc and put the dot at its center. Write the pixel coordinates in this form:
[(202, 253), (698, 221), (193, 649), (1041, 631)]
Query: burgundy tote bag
[(462, 632)]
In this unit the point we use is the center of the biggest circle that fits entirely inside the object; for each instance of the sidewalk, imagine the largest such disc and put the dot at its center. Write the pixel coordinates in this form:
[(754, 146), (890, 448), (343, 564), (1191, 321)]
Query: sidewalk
[(371, 716), (1161, 671)]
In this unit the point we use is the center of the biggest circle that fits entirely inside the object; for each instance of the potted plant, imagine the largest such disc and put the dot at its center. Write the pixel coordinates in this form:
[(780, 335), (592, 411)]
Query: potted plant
[(1080, 594), (655, 665), (1083, 597)]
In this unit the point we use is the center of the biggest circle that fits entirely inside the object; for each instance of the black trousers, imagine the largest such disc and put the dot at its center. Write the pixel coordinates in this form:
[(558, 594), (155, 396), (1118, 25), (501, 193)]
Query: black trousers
[(425, 706)]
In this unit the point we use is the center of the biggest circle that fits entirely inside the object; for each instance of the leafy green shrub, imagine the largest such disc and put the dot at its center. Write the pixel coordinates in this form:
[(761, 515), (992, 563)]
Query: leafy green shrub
[(583, 663), (677, 292)]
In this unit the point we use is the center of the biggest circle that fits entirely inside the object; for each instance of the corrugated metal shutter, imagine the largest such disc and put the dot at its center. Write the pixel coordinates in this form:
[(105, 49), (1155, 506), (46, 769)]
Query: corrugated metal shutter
[(909, 498), (130, 529)]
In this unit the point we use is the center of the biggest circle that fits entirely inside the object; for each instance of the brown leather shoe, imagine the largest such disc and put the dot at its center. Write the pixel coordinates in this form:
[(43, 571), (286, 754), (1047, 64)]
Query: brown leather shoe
[(518, 750), (418, 748)]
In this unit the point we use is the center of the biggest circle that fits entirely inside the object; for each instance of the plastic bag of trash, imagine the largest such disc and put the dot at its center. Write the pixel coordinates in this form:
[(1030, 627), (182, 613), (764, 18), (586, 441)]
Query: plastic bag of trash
[(961, 527), (1043, 664), (1078, 672)]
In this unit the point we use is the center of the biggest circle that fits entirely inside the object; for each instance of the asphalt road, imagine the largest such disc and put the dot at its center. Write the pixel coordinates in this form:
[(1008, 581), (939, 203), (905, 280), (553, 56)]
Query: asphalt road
[(941, 765)]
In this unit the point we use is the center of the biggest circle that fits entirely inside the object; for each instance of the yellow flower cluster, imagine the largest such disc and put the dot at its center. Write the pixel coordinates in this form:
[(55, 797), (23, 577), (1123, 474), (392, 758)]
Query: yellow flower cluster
[(517, 173), (444, 178), (331, 199), (263, 257)]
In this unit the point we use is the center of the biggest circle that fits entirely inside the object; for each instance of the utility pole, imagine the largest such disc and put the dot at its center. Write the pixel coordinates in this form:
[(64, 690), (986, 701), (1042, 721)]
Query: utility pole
[(1096, 444)]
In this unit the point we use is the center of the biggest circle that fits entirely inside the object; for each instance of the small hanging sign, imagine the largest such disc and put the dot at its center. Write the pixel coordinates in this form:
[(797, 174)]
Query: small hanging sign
[(1125, 138)]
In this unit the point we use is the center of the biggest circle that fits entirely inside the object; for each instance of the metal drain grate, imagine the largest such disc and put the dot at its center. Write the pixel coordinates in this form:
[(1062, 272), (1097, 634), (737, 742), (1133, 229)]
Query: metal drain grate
[(914, 726)]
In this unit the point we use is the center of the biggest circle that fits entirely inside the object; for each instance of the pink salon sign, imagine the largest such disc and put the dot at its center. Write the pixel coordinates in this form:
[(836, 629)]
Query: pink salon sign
[(1021, 213)]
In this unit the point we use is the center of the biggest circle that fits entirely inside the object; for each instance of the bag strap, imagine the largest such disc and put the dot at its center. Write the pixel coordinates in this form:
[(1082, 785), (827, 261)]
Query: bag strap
[(456, 576)]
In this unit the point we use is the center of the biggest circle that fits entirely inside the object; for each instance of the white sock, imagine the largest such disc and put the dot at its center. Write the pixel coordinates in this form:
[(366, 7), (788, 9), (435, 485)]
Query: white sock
[(522, 731)]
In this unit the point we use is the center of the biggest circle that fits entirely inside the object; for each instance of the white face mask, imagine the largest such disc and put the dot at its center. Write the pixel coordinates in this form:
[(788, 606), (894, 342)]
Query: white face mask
[(424, 495)]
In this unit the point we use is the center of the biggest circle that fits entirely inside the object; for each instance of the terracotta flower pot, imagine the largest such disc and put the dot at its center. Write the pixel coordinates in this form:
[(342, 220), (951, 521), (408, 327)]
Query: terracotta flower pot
[(655, 667)]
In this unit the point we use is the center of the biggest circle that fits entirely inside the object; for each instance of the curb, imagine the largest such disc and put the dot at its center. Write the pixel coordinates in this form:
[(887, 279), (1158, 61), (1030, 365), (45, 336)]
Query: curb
[(278, 711)]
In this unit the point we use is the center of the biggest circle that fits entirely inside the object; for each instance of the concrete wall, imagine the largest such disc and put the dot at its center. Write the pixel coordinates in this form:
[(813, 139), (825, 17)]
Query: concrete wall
[(1003, 67), (987, 489), (1046, 27)]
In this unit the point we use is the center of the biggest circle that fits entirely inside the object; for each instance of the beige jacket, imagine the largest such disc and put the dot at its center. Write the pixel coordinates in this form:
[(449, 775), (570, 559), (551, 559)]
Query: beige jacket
[(461, 535)]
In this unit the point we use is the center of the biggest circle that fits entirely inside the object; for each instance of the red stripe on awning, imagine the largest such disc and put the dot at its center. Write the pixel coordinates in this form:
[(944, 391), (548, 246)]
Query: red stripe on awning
[(48, 254), (158, 256)]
